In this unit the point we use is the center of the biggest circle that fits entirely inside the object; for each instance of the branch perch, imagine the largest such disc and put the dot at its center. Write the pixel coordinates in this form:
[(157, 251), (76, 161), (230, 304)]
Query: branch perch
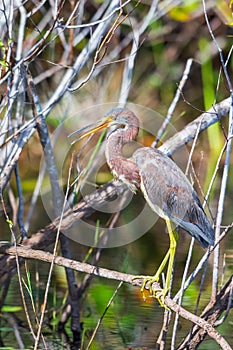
[(206, 327)]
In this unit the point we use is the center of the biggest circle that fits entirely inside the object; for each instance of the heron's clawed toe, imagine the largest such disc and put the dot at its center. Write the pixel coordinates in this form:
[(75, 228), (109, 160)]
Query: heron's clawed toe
[(157, 293), (160, 296), (146, 280)]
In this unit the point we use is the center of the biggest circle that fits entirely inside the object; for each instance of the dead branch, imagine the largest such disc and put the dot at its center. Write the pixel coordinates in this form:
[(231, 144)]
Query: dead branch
[(46, 236), (188, 133), (204, 324), (212, 312)]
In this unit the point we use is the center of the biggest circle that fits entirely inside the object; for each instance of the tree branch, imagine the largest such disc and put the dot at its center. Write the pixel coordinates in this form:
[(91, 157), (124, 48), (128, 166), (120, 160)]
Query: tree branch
[(212, 311)]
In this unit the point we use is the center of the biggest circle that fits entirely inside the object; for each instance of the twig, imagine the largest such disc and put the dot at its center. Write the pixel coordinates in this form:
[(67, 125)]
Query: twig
[(203, 261), (161, 341), (38, 47), (50, 274), (182, 289), (21, 31), (229, 307), (58, 208), (20, 212), (187, 134), (94, 23), (18, 269), (174, 102), (129, 65), (41, 175), (102, 47), (14, 324), (81, 60), (221, 200), (102, 316), (104, 237), (211, 313), (214, 174), (47, 148)]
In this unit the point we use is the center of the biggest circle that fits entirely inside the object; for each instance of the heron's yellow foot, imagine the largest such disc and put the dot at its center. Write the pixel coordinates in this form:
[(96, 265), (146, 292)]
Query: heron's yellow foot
[(158, 293), (160, 296)]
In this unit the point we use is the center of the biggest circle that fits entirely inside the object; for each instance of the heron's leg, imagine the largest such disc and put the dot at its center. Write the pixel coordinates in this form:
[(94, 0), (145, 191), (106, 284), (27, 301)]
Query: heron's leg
[(160, 294), (162, 266), (151, 279), (173, 235)]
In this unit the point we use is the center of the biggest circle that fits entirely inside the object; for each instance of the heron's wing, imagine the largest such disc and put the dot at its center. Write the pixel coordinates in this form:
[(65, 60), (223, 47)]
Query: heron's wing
[(169, 193)]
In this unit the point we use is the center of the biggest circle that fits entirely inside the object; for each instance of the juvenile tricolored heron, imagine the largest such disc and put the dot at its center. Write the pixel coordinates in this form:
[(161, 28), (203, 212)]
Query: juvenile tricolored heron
[(164, 186)]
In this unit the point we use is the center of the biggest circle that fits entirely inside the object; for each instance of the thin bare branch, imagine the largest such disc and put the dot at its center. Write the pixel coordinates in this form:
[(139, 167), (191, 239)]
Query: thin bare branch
[(114, 275)]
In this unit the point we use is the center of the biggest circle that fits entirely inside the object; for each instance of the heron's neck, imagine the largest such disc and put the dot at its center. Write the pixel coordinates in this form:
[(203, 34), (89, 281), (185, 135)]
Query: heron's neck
[(123, 168)]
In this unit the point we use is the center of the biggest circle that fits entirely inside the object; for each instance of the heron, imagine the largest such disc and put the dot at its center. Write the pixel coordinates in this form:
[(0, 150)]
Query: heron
[(165, 188)]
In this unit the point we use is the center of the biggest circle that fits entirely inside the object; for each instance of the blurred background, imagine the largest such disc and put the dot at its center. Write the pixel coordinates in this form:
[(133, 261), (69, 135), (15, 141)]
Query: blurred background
[(47, 39)]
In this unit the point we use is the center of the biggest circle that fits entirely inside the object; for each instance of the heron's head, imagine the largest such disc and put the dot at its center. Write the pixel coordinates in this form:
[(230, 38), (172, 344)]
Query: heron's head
[(115, 117)]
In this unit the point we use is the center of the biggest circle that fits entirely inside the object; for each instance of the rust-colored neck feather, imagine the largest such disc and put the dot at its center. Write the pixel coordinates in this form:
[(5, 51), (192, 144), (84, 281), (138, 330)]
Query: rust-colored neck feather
[(124, 168)]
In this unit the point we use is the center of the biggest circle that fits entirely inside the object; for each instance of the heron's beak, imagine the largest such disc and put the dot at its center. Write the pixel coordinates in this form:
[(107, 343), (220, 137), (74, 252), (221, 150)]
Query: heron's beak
[(93, 128)]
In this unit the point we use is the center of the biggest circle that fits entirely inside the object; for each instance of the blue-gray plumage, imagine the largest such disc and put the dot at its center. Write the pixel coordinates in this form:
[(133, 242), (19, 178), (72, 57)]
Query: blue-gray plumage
[(171, 194)]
